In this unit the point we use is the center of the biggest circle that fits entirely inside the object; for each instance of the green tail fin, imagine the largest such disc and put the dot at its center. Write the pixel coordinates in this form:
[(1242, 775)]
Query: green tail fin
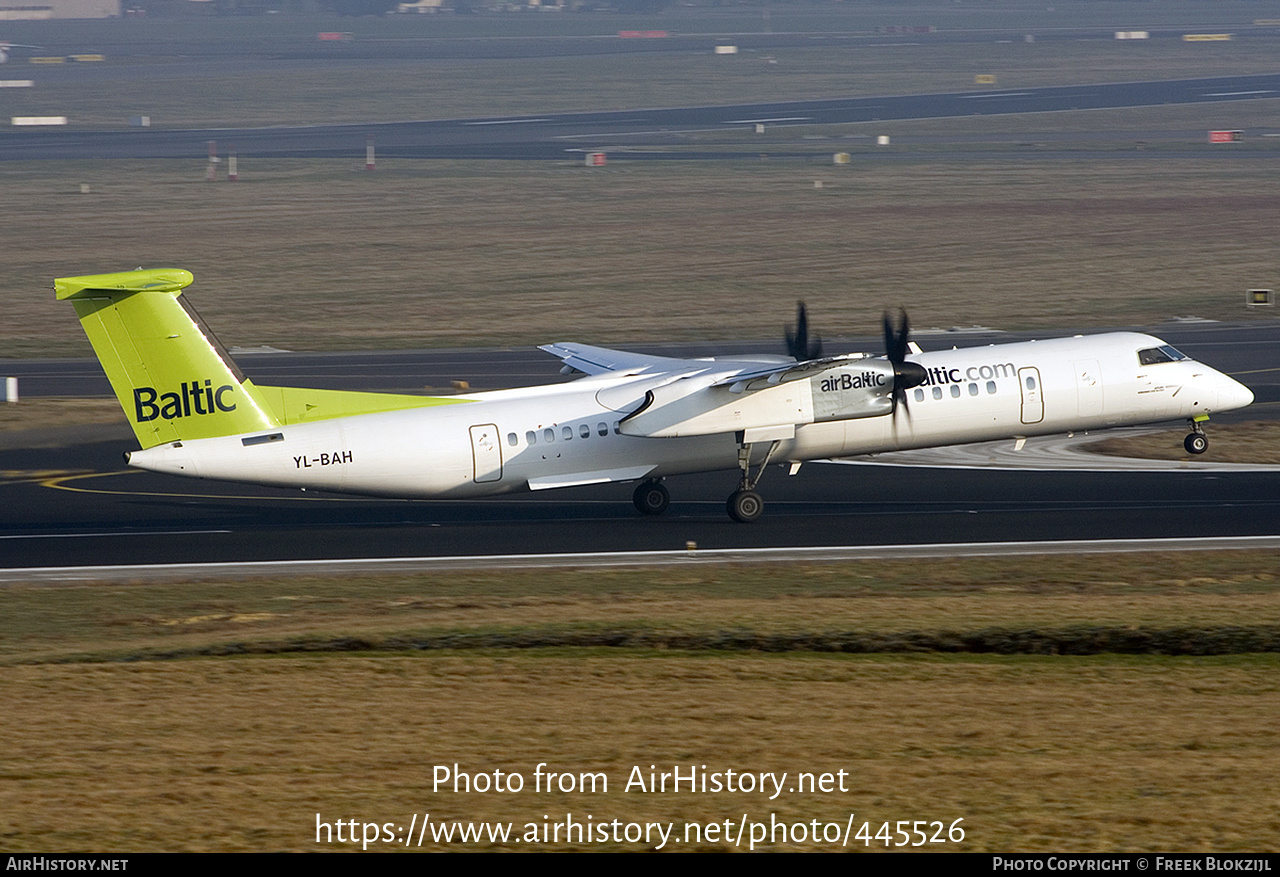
[(172, 376)]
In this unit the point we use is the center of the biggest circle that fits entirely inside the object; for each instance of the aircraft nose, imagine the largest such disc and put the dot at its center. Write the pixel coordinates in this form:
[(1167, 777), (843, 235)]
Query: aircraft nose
[(1233, 394)]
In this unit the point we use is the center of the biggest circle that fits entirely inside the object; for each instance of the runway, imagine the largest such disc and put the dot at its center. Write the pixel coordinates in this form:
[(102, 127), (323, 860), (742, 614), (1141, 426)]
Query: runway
[(77, 505), (689, 557), (99, 514), (643, 133)]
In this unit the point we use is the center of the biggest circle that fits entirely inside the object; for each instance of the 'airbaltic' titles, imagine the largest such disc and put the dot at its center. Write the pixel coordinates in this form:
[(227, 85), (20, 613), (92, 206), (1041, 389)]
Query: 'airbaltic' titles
[(193, 399), (846, 381), (940, 374)]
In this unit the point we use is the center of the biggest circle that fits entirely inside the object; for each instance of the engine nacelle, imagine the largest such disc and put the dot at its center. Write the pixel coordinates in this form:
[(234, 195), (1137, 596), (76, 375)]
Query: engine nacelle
[(862, 389), (857, 388)]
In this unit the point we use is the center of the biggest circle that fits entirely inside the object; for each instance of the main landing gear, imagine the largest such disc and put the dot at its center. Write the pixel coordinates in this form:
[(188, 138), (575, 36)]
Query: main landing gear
[(744, 504), (1197, 442), (651, 498)]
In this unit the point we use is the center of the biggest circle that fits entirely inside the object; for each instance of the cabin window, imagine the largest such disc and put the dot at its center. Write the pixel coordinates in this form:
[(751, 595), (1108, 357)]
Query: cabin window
[(955, 391), (1164, 353), (617, 427), (919, 395), (937, 392), (991, 388), (513, 439), (567, 432), (602, 428), (585, 430), (1031, 382), (531, 437), (549, 434), (973, 389)]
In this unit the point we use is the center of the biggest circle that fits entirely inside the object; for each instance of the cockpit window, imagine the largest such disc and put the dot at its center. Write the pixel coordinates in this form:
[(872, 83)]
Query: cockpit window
[(1164, 353)]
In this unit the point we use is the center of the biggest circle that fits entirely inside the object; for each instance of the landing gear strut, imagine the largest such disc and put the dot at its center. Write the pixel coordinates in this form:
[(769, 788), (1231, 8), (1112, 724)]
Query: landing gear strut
[(745, 505), (651, 498), (1197, 442)]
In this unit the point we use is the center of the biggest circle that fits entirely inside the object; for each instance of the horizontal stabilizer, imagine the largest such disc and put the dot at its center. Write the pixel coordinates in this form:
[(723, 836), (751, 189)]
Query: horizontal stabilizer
[(172, 377), (153, 280)]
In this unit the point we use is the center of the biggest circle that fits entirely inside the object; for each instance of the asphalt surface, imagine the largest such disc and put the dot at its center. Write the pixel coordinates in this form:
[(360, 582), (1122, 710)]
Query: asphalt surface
[(77, 505), (137, 518), (641, 132)]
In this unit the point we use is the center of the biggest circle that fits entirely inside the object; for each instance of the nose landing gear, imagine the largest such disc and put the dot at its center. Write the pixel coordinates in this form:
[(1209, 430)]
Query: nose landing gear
[(1196, 442)]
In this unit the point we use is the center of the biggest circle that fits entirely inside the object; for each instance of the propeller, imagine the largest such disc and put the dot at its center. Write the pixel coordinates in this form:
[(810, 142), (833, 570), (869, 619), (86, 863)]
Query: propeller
[(798, 344), (905, 374)]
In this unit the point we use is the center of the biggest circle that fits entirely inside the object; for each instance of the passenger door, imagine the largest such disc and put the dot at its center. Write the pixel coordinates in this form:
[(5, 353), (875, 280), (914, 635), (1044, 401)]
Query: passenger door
[(486, 452), (1032, 399)]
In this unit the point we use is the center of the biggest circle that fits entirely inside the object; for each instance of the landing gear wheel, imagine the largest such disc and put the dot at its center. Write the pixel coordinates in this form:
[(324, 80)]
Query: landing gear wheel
[(745, 506), (651, 498), (1196, 443)]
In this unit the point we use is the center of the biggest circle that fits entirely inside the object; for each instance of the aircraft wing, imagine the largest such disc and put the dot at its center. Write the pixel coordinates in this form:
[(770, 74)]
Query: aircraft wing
[(742, 372), (601, 360), (754, 376)]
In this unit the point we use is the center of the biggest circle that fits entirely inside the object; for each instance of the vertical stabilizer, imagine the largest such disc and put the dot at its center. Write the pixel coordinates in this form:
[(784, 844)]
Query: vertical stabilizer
[(172, 376)]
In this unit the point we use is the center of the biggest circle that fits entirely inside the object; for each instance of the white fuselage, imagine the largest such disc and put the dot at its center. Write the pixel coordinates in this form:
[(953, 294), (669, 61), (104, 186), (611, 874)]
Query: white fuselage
[(573, 433)]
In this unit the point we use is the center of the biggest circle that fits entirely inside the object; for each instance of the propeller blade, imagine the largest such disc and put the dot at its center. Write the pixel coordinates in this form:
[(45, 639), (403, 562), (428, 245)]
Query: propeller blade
[(895, 337), (798, 344), (900, 401), (905, 374)]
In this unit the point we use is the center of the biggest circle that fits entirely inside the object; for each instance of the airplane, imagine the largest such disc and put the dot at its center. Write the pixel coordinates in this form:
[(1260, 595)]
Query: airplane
[(6, 46), (631, 417)]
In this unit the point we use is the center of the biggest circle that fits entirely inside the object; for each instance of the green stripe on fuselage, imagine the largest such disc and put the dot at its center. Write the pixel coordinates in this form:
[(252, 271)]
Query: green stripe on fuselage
[(298, 405)]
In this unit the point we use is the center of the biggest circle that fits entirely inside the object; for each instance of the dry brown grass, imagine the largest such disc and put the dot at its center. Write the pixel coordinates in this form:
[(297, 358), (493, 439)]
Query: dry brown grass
[(1093, 753), (1254, 441), (1087, 754), (312, 255), (1211, 591), (40, 413)]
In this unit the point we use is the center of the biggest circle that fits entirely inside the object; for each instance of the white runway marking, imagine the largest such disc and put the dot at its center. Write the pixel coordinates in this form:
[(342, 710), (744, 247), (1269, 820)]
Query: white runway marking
[(181, 571), (507, 122), (763, 121)]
